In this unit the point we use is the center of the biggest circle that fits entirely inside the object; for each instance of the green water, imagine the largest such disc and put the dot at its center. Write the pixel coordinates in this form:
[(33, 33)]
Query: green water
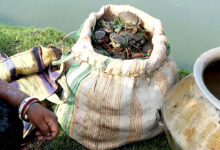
[(192, 26)]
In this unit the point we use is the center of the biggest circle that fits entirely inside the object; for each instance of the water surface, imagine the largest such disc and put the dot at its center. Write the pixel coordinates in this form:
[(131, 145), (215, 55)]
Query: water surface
[(192, 26)]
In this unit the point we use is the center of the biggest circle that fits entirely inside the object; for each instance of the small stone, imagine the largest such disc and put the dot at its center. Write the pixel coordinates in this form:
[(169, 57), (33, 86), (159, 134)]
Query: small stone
[(99, 35)]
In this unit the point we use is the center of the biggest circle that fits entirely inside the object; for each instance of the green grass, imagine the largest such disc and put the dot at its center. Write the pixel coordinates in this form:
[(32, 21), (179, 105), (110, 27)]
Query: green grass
[(66, 143), (16, 39), (183, 73)]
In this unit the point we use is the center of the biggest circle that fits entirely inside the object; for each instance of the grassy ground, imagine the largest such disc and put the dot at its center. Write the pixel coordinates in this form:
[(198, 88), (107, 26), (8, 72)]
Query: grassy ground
[(17, 39)]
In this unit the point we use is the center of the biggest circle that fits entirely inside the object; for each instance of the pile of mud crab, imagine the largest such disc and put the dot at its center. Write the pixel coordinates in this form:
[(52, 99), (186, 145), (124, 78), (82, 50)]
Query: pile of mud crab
[(122, 37)]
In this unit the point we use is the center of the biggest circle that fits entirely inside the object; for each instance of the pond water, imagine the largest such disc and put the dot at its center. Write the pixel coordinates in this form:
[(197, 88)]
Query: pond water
[(192, 26)]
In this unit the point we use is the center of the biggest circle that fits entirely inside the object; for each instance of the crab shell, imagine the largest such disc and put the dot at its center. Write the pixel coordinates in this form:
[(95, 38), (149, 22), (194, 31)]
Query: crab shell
[(116, 40), (130, 21)]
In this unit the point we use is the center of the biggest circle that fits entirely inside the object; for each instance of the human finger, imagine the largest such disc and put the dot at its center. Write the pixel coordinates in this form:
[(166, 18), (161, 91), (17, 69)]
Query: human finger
[(43, 127), (54, 128)]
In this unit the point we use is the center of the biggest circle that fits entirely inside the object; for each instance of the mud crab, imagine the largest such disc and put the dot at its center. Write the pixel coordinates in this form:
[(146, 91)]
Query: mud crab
[(130, 21), (108, 26), (117, 40)]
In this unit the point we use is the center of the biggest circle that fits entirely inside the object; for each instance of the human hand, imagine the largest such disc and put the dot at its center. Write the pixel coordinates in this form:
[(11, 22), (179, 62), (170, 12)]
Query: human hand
[(44, 120)]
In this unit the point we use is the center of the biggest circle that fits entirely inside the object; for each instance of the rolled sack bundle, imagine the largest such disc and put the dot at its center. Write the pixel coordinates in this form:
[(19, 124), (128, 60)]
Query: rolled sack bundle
[(28, 62), (31, 72), (192, 109), (113, 101)]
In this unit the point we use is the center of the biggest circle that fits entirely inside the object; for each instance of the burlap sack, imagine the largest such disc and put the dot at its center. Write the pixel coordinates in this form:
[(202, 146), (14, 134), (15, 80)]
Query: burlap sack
[(114, 102)]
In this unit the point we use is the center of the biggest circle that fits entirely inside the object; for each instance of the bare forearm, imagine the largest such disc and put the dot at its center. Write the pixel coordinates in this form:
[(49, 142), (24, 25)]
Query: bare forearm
[(11, 94), (39, 116)]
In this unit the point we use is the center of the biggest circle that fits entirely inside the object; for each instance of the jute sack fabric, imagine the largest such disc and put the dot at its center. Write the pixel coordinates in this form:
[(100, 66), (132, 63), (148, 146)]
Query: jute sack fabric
[(114, 102)]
